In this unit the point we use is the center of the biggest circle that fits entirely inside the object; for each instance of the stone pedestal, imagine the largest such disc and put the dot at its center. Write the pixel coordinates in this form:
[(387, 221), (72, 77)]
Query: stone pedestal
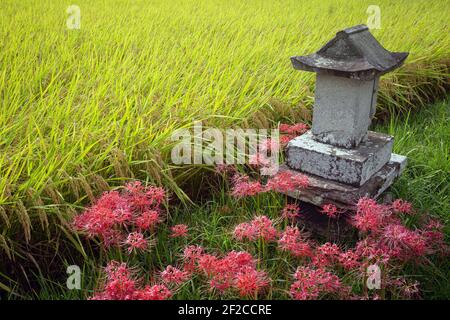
[(323, 191), (350, 166), (343, 160)]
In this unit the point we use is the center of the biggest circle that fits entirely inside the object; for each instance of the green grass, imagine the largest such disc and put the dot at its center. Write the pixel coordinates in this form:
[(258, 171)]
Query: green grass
[(424, 137)]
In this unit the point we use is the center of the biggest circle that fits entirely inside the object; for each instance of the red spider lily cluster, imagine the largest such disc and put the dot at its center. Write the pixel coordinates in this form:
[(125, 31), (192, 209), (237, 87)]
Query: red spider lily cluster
[(385, 241), (236, 271), (283, 182), (291, 240), (402, 206), (290, 212), (172, 275), (242, 186), (136, 241), (388, 237), (330, 210), (179, 231), (130, 217), (123, 218), (310, 283), (260, 227), (272, 146), (121, 285), (289, 132)]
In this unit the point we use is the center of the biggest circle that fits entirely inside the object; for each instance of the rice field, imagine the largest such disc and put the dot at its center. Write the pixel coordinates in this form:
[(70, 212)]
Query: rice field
[(86, 110)]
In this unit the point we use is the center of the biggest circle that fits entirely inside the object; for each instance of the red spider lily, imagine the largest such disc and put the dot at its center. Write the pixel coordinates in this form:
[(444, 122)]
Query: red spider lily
[(239, 259), (209, 264), (156, 194), (113, 237), (370, 252), (136, 241), (234, 271), (112, 200), (179, 230), (408, 289), (290, 212), (292, 241), (191, 255), (119, 284), (245, 231), (117, 289), (326, 255), (402, 206), (403, 243), (128, 216), (434, 225), (134, 187), (96, 221), (122, 217), (291, 131), (260, 227), (147, 220), (287, 181), (142, 198), (349, 260), (284, 140), (115, 269), (296, 129), (268, 146), (250, 281), (155, 292), (265, 228), (369, 215), (310, 283), (283, 182), (330, 210), (242, 186), (172, 275), (136, 206), (435, 238)]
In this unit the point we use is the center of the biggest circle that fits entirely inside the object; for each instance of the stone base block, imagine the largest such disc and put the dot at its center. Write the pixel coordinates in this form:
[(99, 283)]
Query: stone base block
[(322, 191), (350, 166)]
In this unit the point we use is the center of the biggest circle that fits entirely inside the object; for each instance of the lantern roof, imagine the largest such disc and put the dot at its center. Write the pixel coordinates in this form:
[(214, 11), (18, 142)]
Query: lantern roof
[(352, 53)]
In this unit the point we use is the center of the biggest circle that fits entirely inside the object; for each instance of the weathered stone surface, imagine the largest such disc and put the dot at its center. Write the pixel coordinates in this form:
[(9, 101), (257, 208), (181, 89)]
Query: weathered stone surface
[(322, 191), (350, 166), (354, 53), (343, 109)]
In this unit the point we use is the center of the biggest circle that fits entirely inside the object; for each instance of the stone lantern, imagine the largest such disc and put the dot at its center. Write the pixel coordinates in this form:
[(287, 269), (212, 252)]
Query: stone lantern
[(343, 160)]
